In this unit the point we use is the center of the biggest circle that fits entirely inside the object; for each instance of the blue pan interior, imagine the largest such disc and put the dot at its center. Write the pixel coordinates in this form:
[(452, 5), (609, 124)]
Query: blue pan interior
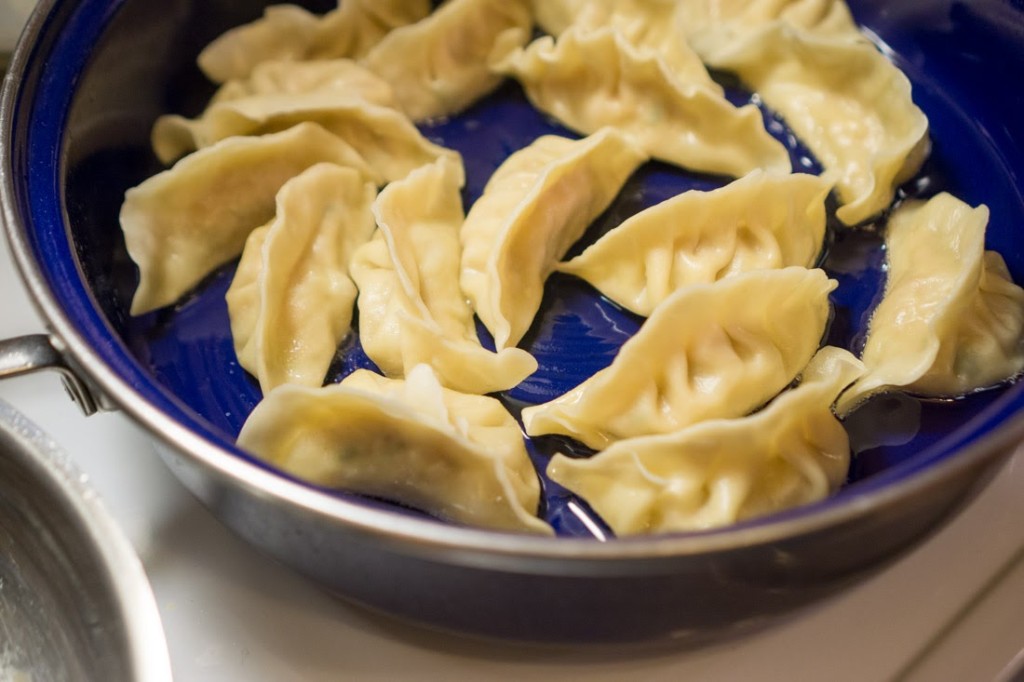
[(105, 69)]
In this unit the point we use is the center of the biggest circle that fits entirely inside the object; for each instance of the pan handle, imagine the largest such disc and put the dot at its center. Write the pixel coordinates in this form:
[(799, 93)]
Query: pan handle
[(36, 352)]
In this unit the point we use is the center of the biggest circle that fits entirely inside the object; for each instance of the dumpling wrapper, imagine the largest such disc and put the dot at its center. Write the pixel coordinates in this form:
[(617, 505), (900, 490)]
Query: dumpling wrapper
[(650, 25), (535, 206), (438, 66), (411, 309), (951, 320), (291, 33), (391, 145), (709, 351), (846, 101), (589, 79), (182, 224), (174, 136), (758, 222), (555, 16), (738, 18), (715, 473), (290, 303), (341, 76), (456, 456)]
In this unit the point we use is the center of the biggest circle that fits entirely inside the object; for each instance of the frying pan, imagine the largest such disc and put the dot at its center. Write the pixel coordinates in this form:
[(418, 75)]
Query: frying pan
[(86, 83)]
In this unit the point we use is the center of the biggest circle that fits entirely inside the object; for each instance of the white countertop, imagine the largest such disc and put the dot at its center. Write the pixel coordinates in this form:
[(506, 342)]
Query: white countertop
[(951, 610)]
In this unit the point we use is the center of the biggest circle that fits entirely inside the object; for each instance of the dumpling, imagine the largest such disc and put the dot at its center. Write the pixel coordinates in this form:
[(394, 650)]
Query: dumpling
[(459, 457), (650, 25), (411, 309), (951, 320), (438, 66), (358, 26), (385, 138), (555, 16), (174, 136), (761, 221), (288, 32), (693, 17), (849, 104), (536, 205), (291, 300), (710, 351), (718, 472), (341, 76), (699, 19), (589, 79), (284, 32), (182, 224)]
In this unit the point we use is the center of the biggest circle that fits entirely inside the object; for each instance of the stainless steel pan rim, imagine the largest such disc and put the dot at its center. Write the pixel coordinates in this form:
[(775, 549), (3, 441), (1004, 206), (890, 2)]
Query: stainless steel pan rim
[(513, 552)]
